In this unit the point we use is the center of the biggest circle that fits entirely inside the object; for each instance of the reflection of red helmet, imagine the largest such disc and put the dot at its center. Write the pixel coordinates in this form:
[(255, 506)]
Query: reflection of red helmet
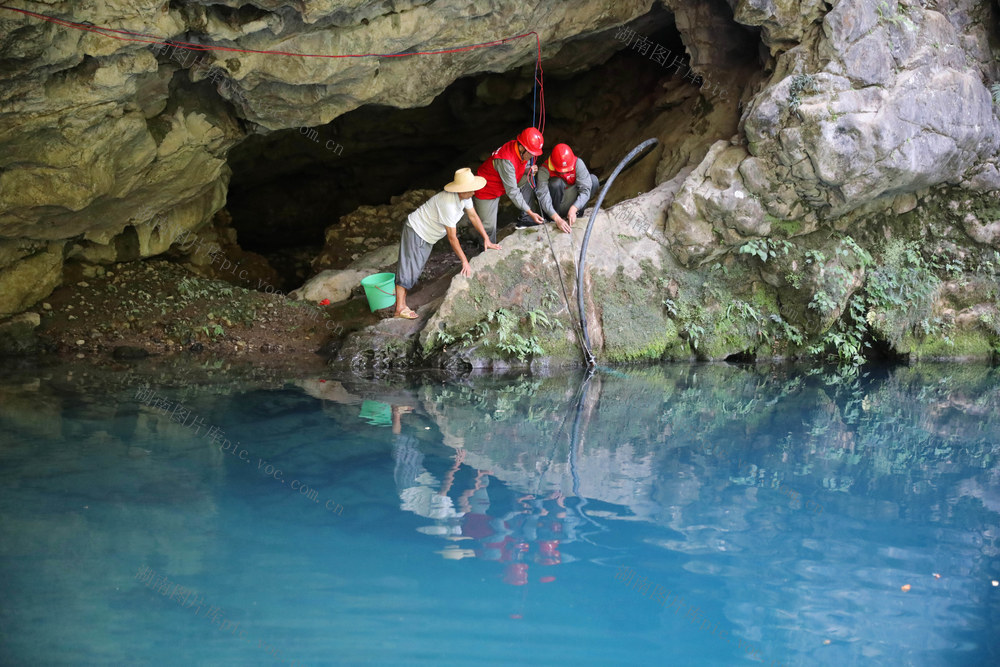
[(549, 552), (516, 574), (532, 140), (562, 159)]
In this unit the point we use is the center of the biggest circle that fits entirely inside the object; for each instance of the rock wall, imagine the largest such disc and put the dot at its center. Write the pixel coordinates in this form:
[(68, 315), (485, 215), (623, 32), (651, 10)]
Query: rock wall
[(867, 102)]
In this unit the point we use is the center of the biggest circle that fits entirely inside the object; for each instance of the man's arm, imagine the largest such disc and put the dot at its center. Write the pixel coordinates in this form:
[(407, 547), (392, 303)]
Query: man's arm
[(583, 185), (583, 188), (545, 199), (509, 179), (478, 225), (457, 247), (543, 194)]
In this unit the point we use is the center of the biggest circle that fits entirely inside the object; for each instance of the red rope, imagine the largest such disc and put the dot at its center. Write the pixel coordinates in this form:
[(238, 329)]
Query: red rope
[(191, 46), (541, 86), (129, 36)]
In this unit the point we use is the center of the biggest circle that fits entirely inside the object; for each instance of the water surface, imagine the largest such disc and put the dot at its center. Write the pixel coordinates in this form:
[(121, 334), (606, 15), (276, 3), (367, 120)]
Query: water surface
[(709, 515)]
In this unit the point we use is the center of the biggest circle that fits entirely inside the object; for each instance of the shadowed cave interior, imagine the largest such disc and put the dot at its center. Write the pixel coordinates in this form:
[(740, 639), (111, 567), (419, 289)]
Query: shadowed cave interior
[(288, 186)]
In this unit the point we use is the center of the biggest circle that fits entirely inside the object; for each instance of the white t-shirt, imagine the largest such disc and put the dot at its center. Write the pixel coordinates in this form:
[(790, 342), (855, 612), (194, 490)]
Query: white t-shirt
[(436, 214)]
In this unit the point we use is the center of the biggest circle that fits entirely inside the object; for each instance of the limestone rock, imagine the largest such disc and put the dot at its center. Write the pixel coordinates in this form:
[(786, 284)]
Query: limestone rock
[(972, 322), (815, 276), (509, 288), (330, 284), (213, 252), (29, 280), (985, 227), (885, 100), (337, 285), (17, 335), (783, 23)]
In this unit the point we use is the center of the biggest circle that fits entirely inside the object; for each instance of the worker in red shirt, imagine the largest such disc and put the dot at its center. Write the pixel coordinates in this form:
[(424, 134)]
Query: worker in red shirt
[(503, 172)]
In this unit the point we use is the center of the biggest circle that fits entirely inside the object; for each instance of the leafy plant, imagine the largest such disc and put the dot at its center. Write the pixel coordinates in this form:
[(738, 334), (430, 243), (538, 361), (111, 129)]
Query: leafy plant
[(848, 246), (847, 337), (765, 248), (694, 332), (786, 330), (995, 90), (508, 340), (213, 331), (444, 338), (536, 317), (744, 311), (899, 292), (500, 330), (815, 257), (823, 302)]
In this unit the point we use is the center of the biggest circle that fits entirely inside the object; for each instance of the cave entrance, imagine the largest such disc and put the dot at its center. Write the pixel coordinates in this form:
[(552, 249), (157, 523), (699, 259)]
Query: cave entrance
[(289, 186)]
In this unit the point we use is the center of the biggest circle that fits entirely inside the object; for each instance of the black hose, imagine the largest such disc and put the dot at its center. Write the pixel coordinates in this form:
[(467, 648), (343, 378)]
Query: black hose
[(648, 143)]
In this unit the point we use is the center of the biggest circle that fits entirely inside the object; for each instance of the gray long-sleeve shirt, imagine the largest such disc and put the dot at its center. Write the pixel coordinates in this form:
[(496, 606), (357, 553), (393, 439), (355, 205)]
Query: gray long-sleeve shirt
[(505, 168), (583, 187)]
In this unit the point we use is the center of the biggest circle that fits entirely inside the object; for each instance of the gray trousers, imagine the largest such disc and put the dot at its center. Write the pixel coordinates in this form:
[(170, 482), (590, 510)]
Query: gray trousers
[(413, 254), (563, 196), (487, 209)]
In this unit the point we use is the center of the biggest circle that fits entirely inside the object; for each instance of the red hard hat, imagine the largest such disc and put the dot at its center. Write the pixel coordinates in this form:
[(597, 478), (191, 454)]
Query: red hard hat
[(532, 140), (562, 159)]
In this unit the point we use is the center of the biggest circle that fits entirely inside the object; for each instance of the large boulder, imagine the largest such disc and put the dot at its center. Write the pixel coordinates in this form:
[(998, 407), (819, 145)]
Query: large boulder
[(30, 279), (886, 99), (17, 335), (337, 285)]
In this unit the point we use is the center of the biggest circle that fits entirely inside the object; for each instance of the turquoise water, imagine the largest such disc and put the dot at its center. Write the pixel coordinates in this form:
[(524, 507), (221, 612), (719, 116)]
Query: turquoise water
[(693, 515)]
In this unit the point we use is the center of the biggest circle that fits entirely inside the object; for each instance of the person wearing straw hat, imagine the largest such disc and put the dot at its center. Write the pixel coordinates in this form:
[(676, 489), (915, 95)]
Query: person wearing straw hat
[(564, 186), (435, 219)]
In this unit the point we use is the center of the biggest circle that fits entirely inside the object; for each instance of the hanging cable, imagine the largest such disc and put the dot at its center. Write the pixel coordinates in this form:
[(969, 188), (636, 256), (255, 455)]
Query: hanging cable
[(581, 267)]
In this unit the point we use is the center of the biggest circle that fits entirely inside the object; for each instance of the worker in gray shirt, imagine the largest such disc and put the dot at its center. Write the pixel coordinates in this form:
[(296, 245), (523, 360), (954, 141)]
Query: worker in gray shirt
[(504, 172), (564, 186)]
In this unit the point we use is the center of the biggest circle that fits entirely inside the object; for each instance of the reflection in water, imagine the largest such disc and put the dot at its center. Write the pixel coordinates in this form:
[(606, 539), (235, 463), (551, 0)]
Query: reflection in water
[(529, 531), (812, 517), (806, 497)]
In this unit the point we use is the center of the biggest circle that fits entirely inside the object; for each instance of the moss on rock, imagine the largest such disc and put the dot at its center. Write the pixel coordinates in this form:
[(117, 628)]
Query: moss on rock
[(633, 318)]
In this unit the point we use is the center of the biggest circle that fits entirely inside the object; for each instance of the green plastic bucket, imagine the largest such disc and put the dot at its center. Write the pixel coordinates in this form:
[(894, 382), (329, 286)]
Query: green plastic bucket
[(376, 413), (380, 290)]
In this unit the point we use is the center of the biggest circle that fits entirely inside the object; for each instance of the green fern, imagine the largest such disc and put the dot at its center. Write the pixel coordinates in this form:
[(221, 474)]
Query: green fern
[(995, 89)]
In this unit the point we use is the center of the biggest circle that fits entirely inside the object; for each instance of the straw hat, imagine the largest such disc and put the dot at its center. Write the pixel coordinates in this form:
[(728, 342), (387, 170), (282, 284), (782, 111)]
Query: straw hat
[(465, 181)]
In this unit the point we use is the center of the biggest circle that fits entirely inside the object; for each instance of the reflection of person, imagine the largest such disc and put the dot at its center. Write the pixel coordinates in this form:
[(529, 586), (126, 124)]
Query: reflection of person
[(418, 489), (533, 532), (435, 219), (564, 186), (527, 533), (397, 412)]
